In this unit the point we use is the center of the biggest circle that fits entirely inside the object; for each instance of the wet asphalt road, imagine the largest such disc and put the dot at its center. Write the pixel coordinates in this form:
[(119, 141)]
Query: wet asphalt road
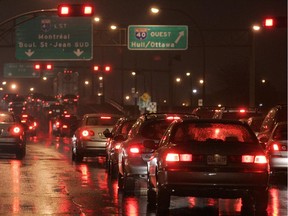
[(47, 182)]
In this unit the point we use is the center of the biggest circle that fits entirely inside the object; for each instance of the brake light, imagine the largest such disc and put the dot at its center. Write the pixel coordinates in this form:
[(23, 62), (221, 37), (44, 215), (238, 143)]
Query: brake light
[(65, 126), (15, 130), (242, 110), (35, 124), (173, 117), (105, 117), (275, 147), (117, 146), (134, 150), (259, 159), (67, 116), (172, 157), (86, 133), (24, 116)]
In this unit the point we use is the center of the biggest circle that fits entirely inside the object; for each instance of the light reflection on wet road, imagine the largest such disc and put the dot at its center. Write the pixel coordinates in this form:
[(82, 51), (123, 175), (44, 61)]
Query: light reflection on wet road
[(47, 182)]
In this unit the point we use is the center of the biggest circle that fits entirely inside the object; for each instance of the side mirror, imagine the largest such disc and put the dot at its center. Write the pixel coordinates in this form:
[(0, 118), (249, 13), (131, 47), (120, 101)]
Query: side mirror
[(150, 144), (107, 133)]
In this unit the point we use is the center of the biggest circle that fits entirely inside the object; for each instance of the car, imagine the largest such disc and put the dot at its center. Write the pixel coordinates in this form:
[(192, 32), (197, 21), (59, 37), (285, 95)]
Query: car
[(70, 99), (276, 114), (12, 135), (89, 140), (56, 110), (205, 111), (17, 105), (65, 125), (237, 113), (133, 156), (277, 149), (117, 135), (255, 123), (30, 124), (212, 158)]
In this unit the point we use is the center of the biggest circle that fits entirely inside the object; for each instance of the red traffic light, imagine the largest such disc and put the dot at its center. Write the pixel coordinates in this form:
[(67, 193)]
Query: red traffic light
[(73, 10), (96, 68), (49, 67), (107, 68), (269, 22), (37, 66)]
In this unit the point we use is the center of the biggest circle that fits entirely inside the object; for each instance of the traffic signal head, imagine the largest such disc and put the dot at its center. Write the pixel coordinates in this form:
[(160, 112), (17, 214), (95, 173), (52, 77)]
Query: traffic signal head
[(75, 10), (275, 22)]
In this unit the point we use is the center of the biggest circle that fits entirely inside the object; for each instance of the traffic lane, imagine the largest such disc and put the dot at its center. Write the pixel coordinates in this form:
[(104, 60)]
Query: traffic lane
[(48, 182), (179, 205)]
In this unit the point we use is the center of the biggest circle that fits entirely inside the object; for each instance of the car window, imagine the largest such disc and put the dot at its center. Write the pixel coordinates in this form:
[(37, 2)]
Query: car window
[(103, 121), (6, 118), (211, 132), (280, 132), (155, 129)]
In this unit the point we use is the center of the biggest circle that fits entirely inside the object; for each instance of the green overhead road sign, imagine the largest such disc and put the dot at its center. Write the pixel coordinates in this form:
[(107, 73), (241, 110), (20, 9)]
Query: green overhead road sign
[(55, 38), (157, 37), (20, 70)]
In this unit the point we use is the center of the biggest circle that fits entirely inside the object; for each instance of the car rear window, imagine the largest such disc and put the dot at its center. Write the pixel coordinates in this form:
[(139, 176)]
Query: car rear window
[(155, 129), (211, 132), (101, 121)]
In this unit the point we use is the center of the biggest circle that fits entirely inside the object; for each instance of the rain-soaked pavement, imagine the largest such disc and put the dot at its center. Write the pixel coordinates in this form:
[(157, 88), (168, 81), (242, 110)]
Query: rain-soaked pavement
[(47, 182)]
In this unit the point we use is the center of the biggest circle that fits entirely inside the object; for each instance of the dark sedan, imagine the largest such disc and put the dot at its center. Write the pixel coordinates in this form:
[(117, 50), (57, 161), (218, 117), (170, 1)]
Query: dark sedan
[(209, 158)]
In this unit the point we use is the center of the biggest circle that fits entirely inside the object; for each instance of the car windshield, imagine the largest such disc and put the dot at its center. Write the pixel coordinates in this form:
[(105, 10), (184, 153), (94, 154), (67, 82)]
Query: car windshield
[(6, 118), (211, 132)]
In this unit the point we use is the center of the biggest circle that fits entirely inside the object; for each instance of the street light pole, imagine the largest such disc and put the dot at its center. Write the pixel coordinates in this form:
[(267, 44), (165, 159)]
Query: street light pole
[(155, 10)]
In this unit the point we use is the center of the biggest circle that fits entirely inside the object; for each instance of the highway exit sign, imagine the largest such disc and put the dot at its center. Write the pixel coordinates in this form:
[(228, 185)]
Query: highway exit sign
[(55, 38), (157, 37)]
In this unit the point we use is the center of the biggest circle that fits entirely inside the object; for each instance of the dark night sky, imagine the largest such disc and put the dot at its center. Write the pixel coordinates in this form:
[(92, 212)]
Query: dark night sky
[(225, 64)]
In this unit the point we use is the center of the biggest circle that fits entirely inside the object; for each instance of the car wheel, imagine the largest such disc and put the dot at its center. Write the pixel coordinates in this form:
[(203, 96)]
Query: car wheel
[(120, 181), (128, 184), (261, 202), (247, 207), (162, 200), (20, 154), (112, 170)]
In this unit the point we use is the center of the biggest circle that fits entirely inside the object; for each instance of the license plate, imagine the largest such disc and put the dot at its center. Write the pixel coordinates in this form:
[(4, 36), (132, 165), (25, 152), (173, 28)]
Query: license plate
[(216, 159)]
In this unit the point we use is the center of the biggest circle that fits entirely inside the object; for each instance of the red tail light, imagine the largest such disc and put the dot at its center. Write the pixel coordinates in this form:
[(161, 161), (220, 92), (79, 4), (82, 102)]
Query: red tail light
[(134, 150), (86, 133), (65, 126), (172, 117), (16, 130), (105, 117), (172, 157), (24, 116), (259, 159), (117, 146), (278, 147)]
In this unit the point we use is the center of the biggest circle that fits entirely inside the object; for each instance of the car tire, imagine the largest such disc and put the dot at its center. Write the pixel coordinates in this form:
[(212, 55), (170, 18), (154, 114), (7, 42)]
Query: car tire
[(128, 184), (120, 181), (261, 202), (20, 154), (162, 199)]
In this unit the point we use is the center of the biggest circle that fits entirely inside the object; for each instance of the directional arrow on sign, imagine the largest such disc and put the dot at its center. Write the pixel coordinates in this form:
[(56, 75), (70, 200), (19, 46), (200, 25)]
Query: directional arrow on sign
[(181, 34), (29, 52), (78, 52)]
